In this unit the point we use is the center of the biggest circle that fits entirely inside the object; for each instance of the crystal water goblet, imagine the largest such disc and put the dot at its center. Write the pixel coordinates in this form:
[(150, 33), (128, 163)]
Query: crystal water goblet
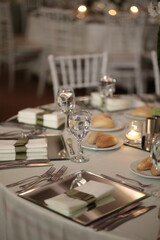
[(79, 124), (107, 88), (155, 156), (66, 101)]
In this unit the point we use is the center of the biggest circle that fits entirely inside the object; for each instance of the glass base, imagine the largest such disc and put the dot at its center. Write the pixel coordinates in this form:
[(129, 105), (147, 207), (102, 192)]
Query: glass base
[(79, 159)]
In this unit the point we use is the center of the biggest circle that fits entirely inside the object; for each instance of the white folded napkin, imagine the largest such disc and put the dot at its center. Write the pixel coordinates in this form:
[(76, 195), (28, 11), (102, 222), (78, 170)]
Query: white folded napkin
[(38, 145), (28, 156), (70, 207), (7, 156), (119, 103), (52, 120)]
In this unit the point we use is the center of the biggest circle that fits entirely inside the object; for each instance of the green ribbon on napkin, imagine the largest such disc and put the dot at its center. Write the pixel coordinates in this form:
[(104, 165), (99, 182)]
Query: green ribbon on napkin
[(20, 145), (90, 199), (39, 117)]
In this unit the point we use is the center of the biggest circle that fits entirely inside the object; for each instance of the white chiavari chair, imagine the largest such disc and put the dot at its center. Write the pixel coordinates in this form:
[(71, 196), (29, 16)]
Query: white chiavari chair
[(16, 53), (124, 43), (156, 72), (77, 71)]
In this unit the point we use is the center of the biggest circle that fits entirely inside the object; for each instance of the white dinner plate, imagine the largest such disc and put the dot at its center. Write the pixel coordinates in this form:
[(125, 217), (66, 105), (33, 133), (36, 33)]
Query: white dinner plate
[(128, 115), (86, 145), (118, 126), (146, 173)]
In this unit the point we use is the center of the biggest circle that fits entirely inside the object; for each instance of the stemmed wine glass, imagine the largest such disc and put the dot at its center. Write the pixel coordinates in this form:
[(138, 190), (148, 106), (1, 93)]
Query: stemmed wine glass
[(107, 87), (155, 156), (155, 151), (66, 101), (79, 124)]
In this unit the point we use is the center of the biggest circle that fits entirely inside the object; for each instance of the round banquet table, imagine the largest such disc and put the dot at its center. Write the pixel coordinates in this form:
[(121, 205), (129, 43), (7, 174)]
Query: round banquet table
[(24, 220)]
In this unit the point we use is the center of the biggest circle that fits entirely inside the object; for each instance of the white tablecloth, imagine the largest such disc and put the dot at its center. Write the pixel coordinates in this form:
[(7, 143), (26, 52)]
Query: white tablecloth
[(24, 220)]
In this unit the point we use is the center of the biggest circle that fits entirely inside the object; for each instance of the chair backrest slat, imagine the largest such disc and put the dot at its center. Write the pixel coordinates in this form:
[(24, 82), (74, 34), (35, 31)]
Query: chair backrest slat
[(77, 71), (87, 76), (156, 72), (71, 73)]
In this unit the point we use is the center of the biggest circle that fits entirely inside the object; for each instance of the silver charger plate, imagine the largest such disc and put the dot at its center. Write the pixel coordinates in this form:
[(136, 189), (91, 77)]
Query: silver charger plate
[(122, 196), (86, 145), (56, 149), (146, 173)]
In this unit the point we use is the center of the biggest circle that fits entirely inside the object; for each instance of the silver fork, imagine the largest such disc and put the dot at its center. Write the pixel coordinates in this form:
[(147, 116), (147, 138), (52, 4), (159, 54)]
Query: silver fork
[(53, 177), (134, 180), (44, 176), (56, 176), (49, 171)]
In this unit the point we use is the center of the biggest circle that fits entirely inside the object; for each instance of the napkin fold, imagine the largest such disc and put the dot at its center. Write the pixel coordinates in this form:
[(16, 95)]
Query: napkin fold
[(33, 145), (30, 116), (70, 207)]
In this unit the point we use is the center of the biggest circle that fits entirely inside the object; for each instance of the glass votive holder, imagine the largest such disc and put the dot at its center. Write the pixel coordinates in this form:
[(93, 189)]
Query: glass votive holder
[(133, 132)]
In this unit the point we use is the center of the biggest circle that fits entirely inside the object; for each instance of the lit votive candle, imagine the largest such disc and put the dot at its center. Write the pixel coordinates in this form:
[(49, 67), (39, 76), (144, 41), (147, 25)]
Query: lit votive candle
[(133, 135)]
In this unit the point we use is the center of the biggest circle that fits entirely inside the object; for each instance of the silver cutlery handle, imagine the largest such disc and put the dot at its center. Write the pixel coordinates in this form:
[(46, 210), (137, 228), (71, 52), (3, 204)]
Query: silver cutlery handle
[(71, 150), (118, 222), (21, 181)]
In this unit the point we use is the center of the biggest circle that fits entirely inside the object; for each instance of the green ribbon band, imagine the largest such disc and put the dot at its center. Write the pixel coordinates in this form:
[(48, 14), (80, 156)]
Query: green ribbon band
[(20, 145), (90, 199), (39, 117)]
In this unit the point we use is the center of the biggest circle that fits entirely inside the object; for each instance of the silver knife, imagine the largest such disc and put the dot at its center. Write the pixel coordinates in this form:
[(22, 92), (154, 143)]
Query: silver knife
[(100, 223), (16, 124), (123, 183), (128, 216), (26, 163)]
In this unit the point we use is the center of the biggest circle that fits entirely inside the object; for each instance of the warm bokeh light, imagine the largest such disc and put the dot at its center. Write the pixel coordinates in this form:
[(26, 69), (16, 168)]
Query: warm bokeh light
[(80, 15), (101, 5), (82, 8), (112, 12), (134, 9)]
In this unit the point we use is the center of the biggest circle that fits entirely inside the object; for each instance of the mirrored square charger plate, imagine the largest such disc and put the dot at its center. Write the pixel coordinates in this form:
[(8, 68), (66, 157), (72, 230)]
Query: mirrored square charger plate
[(122, 196), (56, 150)]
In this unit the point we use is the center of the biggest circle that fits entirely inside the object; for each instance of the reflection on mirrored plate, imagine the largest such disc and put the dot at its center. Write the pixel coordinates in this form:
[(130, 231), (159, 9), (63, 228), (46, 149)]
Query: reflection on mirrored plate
[(146, 173), (128, 115), (86, 145), (122, 196), (118, 126)]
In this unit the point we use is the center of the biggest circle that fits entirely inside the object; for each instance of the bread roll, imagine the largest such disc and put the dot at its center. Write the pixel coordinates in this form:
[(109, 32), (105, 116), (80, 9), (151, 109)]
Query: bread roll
[(145, 164), (102, 121), (154, 171), (106, 140), (143, 111), (93, 137)]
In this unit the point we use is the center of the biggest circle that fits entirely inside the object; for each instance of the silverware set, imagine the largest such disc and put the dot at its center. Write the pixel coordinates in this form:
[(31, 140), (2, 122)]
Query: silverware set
[(123, 183), (20, 133), (25, 163), (116, 219), (35, 181), (134, 180)]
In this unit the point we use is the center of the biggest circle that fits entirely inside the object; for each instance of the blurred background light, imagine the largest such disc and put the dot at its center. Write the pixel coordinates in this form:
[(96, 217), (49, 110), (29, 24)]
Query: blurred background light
[(82, 8), (134, 9), (112, 12)]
